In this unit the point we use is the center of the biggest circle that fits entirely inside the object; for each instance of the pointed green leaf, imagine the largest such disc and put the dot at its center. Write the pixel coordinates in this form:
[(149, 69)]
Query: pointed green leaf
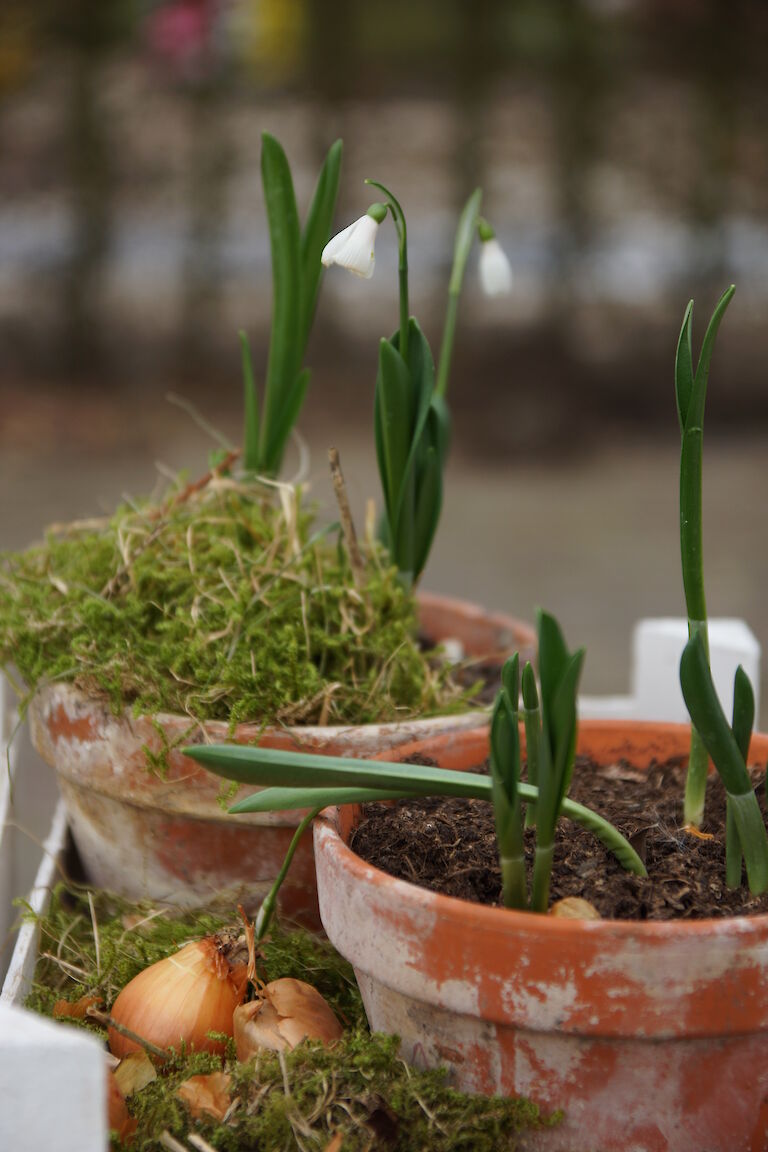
[(553, 657), (251, 407), (286, 421), (292, 799), (709, 719), (696, 409), (284, 346), (270, 766), (393, 432), (743, 712), (565, 723), (429, 501), (443, 417), (695, 413), (315, 236), (684, 367), (510, 679), (313, 778), (530, 691)]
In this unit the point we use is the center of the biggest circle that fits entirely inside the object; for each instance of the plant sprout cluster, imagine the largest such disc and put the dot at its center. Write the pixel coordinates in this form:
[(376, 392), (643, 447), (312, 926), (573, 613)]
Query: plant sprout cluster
[(711, 734), (296, 780)]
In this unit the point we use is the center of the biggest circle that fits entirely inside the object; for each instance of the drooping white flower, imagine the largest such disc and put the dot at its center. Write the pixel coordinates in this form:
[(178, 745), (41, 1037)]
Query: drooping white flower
[(353, 247), (494, 269)]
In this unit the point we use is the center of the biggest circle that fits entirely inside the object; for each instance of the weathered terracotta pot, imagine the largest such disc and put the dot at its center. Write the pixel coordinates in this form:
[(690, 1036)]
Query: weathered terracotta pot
[(163, 833), (650, 1036)]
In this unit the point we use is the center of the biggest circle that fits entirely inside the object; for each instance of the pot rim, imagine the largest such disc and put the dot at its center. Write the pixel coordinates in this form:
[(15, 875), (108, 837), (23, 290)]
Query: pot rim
[(484, 918)]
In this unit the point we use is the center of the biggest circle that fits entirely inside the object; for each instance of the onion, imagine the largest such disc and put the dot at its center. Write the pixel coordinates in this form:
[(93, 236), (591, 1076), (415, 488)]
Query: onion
[(286, 1012), (182, 998), (574, 908)]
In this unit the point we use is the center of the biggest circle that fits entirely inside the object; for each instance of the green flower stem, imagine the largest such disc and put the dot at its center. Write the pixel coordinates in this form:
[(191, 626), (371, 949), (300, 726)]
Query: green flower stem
[(267, 909), (446, 344), (403, 281), (402, 235), (465, 234)]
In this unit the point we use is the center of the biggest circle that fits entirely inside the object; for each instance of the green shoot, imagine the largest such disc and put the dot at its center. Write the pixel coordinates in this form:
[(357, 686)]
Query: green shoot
[(559, 671), (505, 787), (296, 273), (690, 391), (532, 718), (728, 747)]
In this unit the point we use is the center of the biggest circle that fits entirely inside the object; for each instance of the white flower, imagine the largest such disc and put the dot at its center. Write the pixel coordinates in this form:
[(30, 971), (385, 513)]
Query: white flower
[(494, 269), (353, 248)]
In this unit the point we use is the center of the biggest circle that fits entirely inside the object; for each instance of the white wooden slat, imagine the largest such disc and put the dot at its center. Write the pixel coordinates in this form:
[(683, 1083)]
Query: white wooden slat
[(18, 978)]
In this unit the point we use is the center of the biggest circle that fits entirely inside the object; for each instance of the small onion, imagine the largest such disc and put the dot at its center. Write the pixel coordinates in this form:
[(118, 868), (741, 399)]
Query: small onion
[(180, 999), (285, 1012), (574, 908)]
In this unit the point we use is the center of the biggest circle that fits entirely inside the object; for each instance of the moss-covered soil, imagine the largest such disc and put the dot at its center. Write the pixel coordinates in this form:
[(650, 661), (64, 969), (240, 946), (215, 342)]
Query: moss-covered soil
[(223, 602), (352, 1096)]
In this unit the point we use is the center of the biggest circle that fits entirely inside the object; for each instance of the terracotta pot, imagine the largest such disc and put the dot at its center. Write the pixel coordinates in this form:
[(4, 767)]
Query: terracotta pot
[(650, 1036), (164, 834)]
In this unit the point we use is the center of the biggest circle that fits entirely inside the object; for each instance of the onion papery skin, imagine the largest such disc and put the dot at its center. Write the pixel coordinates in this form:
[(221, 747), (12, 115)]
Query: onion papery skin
[(284, 1013), (179, 1000)]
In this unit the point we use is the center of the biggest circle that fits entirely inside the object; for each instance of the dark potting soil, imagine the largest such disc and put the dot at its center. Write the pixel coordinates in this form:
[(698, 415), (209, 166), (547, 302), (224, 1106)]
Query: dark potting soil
[(449, 846)]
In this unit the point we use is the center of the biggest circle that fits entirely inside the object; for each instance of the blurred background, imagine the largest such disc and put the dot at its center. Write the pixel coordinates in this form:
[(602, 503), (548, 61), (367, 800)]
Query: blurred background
[(623, 150)]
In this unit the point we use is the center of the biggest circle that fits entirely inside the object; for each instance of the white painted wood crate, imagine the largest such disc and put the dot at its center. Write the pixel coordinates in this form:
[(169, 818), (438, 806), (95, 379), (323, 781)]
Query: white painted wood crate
[(32, 839)]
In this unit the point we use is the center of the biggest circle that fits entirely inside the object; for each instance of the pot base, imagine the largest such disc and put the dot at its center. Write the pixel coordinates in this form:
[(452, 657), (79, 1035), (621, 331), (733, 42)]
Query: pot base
[(623, 1092)]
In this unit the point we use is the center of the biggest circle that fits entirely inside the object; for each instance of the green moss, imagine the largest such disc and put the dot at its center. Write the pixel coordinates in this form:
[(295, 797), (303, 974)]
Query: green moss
[(359, 1087), (221, 606)]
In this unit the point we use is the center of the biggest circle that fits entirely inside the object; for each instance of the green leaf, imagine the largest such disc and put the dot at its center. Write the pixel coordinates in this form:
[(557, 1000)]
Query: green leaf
[(392, 428), (510, 679), (684, 367), (709, 719), (253, 765), (315, 236), (251, 408), (565, 722), (443, 417), (505, 737), (743, 712), (292, 799), (741, 726), (289, 414), (315, 778), (284, 346), (421, 370), (553, 657), (710, 722), (695, 414), (532, 720), (429, 501), (530, 691)]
